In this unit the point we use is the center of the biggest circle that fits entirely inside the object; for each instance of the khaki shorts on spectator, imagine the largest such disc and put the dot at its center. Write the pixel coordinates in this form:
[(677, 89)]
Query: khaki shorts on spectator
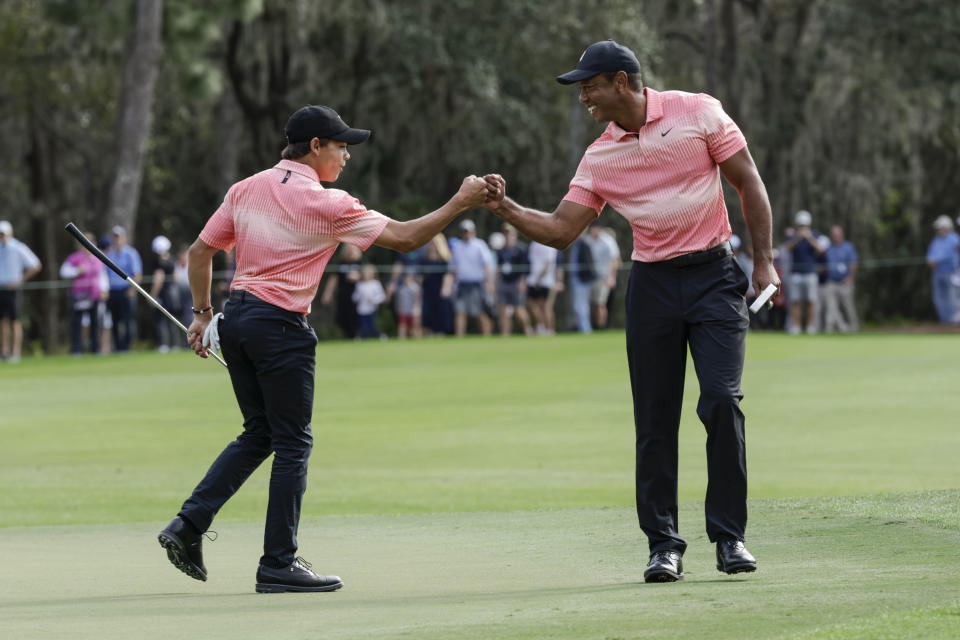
[(803, 287), (599, 291), (509, 294), (469, 298)]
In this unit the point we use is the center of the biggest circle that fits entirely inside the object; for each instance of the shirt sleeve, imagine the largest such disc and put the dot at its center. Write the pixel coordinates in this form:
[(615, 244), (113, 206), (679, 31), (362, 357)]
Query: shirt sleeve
[(357, 225), (724, 137), (219, 232), (581, 188), (28, 257), (136, 262)]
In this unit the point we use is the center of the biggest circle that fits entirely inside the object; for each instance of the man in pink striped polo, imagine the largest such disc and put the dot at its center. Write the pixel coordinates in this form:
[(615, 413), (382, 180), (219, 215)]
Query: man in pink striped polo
[(658, 163), (285, 226)]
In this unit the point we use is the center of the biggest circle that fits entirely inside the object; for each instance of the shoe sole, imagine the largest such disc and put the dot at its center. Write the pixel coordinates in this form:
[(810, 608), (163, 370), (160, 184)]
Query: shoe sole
[(662, 576), (737, 568), (269, 587), (177, 555)]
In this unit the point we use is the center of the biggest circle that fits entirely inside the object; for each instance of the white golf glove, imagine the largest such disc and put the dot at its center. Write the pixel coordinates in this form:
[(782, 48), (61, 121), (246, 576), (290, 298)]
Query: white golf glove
[(211, 337)]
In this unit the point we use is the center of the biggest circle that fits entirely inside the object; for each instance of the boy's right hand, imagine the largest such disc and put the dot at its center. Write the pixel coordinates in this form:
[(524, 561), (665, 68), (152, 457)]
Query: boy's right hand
[(472, 193)]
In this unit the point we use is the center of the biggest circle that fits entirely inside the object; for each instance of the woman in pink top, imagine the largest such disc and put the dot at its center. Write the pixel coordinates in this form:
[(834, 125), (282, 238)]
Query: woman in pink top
[(658, 163), (87, 289), (285, 226)]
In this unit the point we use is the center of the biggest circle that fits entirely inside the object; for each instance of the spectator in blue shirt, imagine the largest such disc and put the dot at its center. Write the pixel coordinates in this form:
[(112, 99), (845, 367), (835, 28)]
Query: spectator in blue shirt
[(943, 258), (840, 311), (17, 265), (120, 302), (471, 259), (805, 252)]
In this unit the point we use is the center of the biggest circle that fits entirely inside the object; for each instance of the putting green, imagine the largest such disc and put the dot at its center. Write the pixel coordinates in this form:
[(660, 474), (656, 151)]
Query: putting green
[(826, 568)]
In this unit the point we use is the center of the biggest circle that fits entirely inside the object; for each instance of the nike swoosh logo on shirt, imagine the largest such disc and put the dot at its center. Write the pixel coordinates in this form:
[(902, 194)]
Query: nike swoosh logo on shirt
[(663, 133)]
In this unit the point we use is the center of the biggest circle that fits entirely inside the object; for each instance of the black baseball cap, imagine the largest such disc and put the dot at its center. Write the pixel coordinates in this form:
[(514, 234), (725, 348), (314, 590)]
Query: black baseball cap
[(602, 57), (316, 121)]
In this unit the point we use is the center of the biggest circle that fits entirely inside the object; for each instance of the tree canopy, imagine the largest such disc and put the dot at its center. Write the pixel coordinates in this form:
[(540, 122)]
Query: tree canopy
[(851, 107)]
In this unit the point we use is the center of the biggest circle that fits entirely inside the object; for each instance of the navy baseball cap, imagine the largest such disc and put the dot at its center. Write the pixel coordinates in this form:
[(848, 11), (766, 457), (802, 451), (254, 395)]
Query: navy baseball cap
[(315, 121), (602, 57)]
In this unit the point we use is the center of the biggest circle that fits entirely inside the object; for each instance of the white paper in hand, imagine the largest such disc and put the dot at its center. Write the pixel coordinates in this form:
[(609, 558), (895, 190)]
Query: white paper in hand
[(763, 298)]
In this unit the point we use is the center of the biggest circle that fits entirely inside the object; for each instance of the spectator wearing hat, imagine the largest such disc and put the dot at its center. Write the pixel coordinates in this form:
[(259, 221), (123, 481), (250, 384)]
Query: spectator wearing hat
[(87, 289), (164, 291), (470, 260), (17, 265), (943, 259), (805, 256), (604, 273), (840, 312), (120, 300)]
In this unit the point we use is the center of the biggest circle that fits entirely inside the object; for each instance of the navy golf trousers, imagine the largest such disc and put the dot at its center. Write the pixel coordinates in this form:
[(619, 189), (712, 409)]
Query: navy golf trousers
[(669, 308), (271, 354)]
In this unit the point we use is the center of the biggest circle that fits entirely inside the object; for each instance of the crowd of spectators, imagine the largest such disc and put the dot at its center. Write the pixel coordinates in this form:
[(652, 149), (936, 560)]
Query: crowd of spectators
[(818, 275), (458, 285), (467, 284)]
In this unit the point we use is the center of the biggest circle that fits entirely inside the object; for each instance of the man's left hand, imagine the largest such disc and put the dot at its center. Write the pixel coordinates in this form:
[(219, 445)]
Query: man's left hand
[(764, 274)]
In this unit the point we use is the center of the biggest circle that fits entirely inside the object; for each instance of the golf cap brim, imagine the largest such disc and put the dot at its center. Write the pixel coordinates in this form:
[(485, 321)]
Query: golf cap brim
[(571, 77), (352, 136)]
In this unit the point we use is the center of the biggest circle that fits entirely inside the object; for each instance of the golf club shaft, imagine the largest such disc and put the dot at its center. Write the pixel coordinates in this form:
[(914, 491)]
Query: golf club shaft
[(102, 257)]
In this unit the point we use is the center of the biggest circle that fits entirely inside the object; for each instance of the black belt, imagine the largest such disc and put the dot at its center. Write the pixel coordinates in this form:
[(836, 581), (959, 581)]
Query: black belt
[(700, 257), (239, 295)]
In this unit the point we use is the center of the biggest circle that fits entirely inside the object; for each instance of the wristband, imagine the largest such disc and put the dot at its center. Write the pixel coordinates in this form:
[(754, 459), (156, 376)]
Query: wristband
[(204, 310)]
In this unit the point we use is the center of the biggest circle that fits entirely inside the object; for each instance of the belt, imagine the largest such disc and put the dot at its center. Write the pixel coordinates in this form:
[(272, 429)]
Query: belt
[(239, 295), (700, 257)]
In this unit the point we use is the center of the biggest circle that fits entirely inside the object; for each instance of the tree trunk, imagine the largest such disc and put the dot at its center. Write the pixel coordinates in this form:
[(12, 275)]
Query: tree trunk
[(144, 48), (228, 141), (710, 47)]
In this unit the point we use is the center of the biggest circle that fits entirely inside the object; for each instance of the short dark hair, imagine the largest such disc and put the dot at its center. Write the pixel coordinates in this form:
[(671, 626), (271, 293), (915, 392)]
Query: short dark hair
[(295, 150), (634, 79)]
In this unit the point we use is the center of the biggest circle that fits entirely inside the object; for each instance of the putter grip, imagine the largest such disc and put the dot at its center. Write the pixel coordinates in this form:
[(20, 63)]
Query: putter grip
[(763, 298), (95, 250)]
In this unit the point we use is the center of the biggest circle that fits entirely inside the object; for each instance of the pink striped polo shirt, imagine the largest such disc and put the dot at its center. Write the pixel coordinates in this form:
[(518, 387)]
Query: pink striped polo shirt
[(664, 180), (286, 227)]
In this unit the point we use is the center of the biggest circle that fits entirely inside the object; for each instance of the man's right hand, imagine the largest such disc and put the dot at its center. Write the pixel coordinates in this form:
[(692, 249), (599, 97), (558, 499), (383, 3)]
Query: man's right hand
[(496, 191)]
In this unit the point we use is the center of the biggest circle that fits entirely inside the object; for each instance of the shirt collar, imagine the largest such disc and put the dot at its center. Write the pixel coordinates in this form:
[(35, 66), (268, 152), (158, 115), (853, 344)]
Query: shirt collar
[(298, 168), (654, 113)]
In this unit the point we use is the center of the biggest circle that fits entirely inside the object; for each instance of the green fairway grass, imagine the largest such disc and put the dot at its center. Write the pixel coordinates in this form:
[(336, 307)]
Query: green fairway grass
[(484, 489)]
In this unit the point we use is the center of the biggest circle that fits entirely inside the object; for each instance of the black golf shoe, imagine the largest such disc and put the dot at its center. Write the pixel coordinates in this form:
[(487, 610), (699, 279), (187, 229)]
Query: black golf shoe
[(298, 576), (733, 557), (664, 566), (184, 548)]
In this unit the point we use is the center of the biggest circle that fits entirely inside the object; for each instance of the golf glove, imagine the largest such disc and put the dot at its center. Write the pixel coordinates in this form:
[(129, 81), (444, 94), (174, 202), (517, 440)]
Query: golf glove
[(211, 337)]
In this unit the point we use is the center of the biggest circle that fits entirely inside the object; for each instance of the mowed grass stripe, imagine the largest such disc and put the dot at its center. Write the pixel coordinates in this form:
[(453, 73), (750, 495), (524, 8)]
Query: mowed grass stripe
[(472, 425), (573, 573)]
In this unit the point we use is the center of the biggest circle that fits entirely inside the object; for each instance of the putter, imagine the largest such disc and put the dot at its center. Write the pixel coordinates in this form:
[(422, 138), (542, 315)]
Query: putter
[(764, 298), (92, 248)]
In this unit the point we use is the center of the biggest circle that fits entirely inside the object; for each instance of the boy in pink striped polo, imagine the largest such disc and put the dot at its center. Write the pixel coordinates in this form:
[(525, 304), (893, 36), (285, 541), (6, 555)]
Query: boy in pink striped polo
[(285, 226), (658, 163)]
